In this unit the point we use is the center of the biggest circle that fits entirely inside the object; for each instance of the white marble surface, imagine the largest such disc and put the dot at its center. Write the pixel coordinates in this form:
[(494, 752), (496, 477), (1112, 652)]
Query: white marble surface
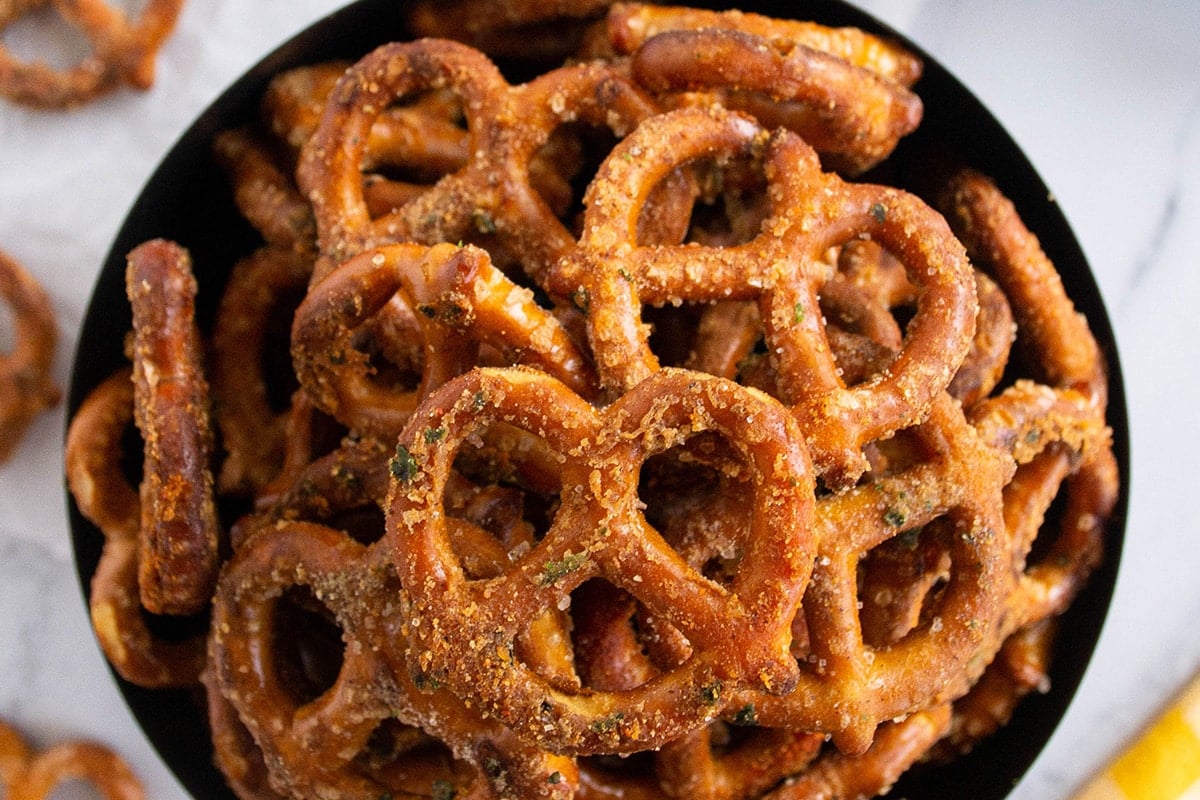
[(1102, 96)]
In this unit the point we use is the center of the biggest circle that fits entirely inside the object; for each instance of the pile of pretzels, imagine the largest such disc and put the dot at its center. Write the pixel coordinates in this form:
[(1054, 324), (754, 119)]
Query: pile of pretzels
[(606, 432)]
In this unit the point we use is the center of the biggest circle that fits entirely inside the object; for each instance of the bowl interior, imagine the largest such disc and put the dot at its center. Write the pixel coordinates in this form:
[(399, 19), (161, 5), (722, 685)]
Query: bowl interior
[(187, 199)]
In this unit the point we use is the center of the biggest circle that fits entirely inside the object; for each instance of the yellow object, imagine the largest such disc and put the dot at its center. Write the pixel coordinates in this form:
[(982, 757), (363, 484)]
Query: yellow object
[(1161, 764)]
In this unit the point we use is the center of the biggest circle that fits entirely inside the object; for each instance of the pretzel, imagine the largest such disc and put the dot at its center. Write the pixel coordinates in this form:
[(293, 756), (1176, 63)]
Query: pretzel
[(848, 114), (264, 191), (530, 30), (489, 200), (27, 775), (738, 633), (1051, 329), (14, 756), (850, 685), (177, 560), (461, 299), (26, 388), (312, 747), (630, 25), (897, 747), (105, 497), (811, 211), (123, 51), (262, 288)]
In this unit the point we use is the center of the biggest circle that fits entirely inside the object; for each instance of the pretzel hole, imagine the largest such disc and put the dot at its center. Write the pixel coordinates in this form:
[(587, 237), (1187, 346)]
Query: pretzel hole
[(404, 756), (415, 142), (274, 359), (307, 644), (507, 486), (698, 496), (42, 35), (900, 583), (731, 201), (618, 643), (8, 329)]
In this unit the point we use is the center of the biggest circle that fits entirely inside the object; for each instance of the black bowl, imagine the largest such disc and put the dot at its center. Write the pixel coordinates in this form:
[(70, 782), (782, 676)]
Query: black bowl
[(188, 200)]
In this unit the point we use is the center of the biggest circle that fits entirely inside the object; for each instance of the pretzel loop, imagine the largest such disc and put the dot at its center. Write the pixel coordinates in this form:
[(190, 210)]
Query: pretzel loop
[(740, 633)]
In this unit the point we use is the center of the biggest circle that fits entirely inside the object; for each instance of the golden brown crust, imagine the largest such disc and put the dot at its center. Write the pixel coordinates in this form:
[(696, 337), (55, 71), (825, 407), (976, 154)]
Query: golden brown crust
[(26, 387), (27, 775), (123, 51), (180, 536)]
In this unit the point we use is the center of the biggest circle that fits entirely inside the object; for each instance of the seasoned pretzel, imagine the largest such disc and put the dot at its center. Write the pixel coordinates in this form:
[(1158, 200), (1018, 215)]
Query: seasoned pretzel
[(178, 551), (26, 388), (14, 757), (536, 30), (461, 299), (849, 685), (896, 747), (491, 198), (264, 192), (263, 288), (850, 115), (105, 497), (740, 634), (780, 268), (123, 51), (27, 775), (630, 25), (315, 745), (1051, 329)]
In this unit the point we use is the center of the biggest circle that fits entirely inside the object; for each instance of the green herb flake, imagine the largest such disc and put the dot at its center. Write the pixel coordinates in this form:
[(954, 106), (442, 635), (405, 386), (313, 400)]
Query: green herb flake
[(625, 274), (555, 777), (581, 299), (483, 221), (434, 435), (711, 693), (478, 400), (894, 517), (428, 310), (797, 314), (608, 724), (746, 715), (879, 213), (425, 682), (553, 570), (402, 465)]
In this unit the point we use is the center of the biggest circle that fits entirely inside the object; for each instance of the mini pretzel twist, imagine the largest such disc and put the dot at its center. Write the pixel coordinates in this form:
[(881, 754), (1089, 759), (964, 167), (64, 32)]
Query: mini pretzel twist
[(262, 288), (26, 775), (104, 496), (26, 388), (740, 633), (780, 268), (179, 539), (848, 114), (123, 51), (491, 196), (850, 685), (314, 743), (461, 300), (630, 25)]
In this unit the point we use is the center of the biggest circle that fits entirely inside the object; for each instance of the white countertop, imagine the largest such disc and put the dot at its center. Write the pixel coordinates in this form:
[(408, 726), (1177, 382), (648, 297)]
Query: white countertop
[(1102, 97)]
